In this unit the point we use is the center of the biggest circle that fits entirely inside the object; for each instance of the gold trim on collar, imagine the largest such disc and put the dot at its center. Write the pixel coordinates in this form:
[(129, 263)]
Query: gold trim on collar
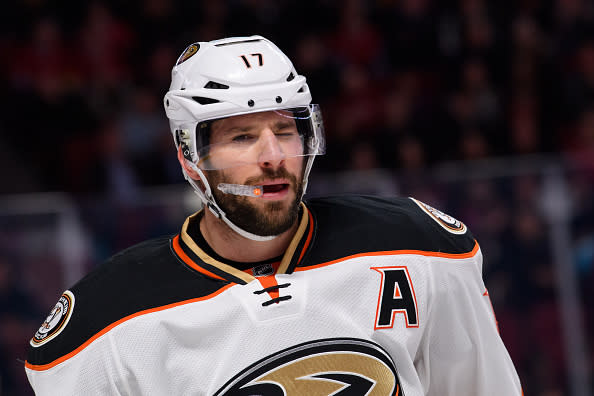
[(284, 265), (287, 256), (206, 258)]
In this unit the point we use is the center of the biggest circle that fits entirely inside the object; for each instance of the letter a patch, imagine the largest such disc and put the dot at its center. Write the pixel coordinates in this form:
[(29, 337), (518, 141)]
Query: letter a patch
[(396, 296)]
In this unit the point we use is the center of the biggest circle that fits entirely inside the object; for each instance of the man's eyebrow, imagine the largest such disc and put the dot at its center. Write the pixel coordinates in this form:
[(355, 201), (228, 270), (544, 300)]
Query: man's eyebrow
[(234, 129), (246, 128), (243, 128), (284, 123)]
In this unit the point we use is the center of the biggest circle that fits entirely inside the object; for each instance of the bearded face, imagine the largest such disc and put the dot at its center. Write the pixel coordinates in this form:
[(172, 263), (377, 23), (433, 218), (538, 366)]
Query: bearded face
[(257, 149)]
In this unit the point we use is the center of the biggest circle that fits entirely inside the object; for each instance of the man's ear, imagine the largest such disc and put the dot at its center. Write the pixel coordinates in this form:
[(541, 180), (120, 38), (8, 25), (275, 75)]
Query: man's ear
[(184, 163)]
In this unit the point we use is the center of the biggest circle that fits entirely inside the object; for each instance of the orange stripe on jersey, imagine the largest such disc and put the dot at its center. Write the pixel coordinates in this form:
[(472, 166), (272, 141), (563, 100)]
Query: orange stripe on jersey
[(309, 235), (268, 281), (189, 261), (393, 252), (42, 367)]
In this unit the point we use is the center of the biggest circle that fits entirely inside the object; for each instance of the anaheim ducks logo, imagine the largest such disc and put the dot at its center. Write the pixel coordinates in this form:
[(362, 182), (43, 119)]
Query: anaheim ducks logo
[(337, 367), (446, 221), (55, 321), (188, 53)]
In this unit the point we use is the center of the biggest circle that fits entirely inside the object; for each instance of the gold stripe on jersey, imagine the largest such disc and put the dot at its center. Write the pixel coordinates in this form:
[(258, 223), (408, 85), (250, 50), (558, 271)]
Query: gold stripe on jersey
[(246, 277), (288, 256), (206, 258)]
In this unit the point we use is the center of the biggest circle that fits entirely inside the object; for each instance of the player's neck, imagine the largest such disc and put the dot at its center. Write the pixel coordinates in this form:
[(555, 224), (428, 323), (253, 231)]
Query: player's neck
[(232, 246)]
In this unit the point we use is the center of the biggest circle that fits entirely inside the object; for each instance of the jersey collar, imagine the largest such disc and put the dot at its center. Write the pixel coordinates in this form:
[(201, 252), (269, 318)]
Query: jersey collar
[(188, 251)]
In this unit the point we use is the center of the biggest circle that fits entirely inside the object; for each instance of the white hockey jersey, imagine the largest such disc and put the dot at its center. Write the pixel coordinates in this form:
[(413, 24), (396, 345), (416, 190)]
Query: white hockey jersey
[(372, 297)]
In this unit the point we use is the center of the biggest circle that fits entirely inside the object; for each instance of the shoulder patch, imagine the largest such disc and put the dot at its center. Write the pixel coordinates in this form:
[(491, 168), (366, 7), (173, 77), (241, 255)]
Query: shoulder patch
[(56, 321), (445, 221)]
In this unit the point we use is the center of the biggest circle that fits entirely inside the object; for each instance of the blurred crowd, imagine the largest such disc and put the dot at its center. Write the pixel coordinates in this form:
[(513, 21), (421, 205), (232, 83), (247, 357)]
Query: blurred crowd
[(404, 86)]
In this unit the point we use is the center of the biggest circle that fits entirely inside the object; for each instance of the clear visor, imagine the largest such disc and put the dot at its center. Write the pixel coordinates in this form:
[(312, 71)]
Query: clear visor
[(270, 136)]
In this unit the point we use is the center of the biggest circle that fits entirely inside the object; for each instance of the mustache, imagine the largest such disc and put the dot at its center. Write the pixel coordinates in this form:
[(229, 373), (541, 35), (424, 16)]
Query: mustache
[(267, 174)]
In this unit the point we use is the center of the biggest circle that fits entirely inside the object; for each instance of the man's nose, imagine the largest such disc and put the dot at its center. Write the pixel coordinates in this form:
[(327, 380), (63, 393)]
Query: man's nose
[(271, 154)]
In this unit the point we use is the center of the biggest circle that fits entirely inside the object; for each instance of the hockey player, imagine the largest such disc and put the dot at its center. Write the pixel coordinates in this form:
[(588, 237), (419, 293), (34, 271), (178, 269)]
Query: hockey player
[(262, 293)]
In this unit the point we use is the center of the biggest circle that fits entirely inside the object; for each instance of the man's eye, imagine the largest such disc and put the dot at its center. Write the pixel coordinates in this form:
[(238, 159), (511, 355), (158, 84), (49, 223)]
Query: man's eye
[(242, 138), (287, 133)]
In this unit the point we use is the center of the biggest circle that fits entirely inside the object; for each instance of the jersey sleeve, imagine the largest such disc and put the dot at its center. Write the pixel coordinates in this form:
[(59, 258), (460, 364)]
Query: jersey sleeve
[(94, 373), (463, 353), (73, 352)]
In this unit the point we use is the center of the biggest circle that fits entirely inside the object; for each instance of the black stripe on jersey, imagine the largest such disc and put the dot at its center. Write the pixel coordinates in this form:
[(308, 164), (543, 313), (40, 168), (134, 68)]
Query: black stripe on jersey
[(211, 268), (145, 276), (349, 225)]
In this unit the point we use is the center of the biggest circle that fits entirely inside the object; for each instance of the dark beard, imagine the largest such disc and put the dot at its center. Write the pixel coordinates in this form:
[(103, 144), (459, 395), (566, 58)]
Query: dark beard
[(268, 221)]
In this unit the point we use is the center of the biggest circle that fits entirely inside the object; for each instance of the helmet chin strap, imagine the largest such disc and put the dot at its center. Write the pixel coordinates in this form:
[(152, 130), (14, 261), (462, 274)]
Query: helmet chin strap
[(208, 199)]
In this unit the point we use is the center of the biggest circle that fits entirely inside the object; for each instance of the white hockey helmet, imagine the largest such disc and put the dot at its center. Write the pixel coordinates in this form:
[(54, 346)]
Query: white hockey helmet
[(229, 77)]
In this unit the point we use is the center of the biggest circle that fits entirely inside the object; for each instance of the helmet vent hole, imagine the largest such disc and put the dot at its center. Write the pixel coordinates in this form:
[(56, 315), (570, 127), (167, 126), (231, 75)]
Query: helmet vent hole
[(301, 90), (279, 99), (251, 103), (215, 85), (291, 77), (204, 101)]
